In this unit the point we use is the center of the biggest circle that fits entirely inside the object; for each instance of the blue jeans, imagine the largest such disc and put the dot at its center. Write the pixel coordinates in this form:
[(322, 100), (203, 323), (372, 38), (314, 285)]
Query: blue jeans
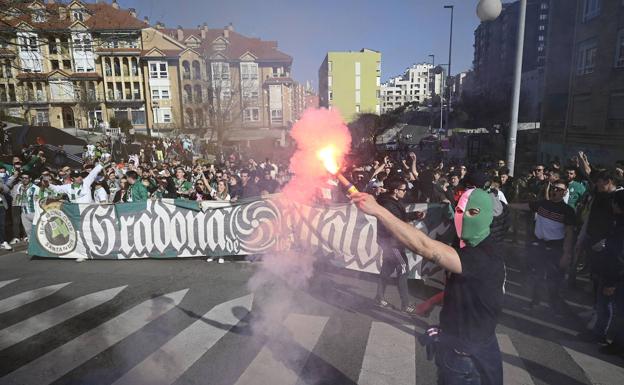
[(484, 365), (456, 369)]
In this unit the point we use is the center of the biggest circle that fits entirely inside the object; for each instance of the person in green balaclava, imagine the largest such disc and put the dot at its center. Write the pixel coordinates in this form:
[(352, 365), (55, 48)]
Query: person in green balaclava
[(465, 344), (472, 228)]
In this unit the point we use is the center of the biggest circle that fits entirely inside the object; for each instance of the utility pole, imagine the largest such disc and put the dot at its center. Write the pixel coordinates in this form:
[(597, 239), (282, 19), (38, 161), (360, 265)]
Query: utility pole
[(448, 108)]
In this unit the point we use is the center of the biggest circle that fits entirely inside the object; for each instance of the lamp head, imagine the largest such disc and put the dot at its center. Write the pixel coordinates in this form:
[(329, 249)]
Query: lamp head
[(488, 10)]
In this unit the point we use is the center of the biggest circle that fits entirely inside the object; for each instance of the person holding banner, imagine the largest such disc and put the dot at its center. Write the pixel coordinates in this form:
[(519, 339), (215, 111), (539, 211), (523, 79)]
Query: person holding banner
[(465, 345)]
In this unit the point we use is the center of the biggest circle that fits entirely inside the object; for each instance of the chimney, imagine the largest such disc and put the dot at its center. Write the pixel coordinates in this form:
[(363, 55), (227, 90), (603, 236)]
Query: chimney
[(146, 20), (114, 4), (160, 25), (204, 31), (132, 12), (226, 33), (180, 33), (62, 12), (51, 2), (230, 27)]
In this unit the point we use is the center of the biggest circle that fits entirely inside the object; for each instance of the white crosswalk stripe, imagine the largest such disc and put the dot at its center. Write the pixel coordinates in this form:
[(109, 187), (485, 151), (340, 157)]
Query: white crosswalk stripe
[(277, 365), (4, 283), (389, 356), (164, 366), (27, 297), (514, 372), (597, 370), (58, 362), (36, 324)]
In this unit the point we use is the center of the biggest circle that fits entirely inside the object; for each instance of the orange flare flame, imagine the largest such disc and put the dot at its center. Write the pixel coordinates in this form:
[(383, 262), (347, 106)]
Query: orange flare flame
[(328, 156)]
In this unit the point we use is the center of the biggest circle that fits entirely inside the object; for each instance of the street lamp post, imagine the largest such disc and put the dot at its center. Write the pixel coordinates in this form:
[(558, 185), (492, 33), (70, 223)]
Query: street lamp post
[(488, 10), (448, 101), (432, 91), (515, 104)]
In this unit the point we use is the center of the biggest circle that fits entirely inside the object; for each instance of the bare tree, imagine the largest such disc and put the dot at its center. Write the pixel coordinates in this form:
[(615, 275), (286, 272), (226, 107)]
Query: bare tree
[(87, 101), (229, 106)]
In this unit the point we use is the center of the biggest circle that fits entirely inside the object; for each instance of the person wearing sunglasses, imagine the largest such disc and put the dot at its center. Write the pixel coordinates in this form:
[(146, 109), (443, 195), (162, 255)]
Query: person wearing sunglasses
[(552, 249), (394, 258)]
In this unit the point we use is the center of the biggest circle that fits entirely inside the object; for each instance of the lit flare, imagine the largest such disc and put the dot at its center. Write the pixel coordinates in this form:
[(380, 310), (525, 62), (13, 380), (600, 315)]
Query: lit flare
[(329, 157)]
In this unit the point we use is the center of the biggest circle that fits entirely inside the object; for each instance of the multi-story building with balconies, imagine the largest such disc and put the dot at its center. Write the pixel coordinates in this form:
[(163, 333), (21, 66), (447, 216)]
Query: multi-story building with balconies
[(75, 64), (72, 64)]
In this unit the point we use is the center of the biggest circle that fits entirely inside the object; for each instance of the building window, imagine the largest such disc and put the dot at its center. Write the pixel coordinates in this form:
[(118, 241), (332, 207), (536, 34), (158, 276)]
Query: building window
[(540, 38), (329, 66), (544, 6), (249, 71), (616, 111), (357, 108), (357, 82), (39, 16), (276, 115), (158, 70), (331, 95), (591, 9), (77, 15), (586, 57), (542, 27), (357, 68), (251, 114), (329, 81), (138, 116), (543, 16), (220, 71), (162, 115), (378, 81), (619, 50), (357, 96)]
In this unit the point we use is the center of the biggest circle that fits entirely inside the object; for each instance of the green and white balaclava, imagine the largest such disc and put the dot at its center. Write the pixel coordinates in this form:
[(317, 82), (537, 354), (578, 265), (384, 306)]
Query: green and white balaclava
[(472, 229)]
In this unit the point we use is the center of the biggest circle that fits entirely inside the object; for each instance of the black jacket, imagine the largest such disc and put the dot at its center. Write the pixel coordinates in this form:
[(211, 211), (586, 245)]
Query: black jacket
[(611, 260), (397, 208)]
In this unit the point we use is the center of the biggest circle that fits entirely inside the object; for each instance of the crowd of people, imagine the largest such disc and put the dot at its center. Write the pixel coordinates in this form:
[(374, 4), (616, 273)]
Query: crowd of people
[(571, 213)]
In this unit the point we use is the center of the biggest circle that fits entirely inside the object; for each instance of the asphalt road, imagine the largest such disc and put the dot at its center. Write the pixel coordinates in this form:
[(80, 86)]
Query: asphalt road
[(192, 322)]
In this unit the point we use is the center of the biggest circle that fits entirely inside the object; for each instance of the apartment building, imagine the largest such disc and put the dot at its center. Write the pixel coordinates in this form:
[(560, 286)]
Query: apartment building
[(71, 64), (351, 82), (584, 88), (417, 84)]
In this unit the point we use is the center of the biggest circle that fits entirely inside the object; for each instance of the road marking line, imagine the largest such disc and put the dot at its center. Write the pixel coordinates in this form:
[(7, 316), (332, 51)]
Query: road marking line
[(514, 372), (597, 370), (29, 296), (279, 366), (4, 283), (170, 361), (539, 321), (389, 356), (36, 324), (523, 298), (60, 361)]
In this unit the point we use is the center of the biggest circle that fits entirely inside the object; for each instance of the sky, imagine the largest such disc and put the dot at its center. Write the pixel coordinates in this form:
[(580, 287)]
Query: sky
[(404, 31)]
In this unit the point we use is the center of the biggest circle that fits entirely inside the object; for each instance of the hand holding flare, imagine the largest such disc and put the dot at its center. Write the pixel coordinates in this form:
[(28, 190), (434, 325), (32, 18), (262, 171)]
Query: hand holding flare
[(328, 156)]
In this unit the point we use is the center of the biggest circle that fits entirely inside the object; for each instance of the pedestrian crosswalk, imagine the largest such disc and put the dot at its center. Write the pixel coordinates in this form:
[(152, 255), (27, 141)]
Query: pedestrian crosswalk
[(387, 351)]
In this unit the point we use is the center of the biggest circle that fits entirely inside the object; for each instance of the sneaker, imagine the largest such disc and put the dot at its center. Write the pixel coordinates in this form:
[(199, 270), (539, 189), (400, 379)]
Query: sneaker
[(409, 309), (5, 246), (383, 303), (221, 260), (80, 259), (25, 239), (14, 241), (209, 259), (611, 349)]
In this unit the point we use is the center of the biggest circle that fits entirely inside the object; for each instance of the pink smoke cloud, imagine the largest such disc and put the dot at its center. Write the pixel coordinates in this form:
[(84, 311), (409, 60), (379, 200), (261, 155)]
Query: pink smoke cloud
[(317, 129)]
